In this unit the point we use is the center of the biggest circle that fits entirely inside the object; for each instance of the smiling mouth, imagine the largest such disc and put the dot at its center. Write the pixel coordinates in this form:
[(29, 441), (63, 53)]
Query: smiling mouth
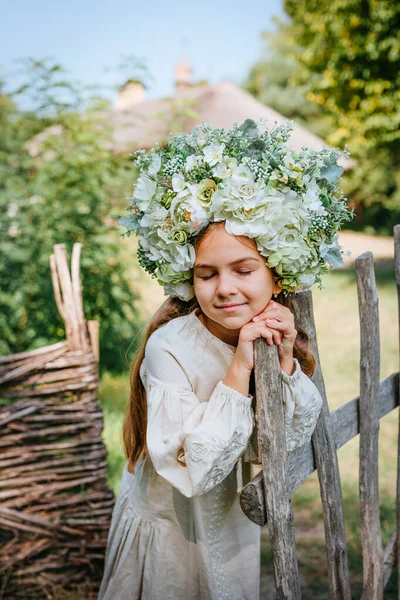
[(226, 306)]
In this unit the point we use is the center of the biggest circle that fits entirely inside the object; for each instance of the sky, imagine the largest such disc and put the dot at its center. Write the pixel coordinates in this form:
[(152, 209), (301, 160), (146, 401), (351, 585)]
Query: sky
[(220, 39)]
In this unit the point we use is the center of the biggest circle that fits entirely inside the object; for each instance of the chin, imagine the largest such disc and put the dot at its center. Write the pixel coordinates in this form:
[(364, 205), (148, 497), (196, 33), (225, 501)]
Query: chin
[(232, 321)]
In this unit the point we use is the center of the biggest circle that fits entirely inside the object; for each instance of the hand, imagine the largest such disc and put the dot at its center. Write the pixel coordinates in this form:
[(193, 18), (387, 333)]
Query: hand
[(244, 354), (280, 321)]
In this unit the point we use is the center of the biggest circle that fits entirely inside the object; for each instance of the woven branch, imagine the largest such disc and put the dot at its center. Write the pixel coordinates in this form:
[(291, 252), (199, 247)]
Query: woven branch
[(55, 505)]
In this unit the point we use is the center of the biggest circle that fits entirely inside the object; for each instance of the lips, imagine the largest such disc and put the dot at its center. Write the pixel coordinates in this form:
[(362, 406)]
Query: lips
[(228, 305)]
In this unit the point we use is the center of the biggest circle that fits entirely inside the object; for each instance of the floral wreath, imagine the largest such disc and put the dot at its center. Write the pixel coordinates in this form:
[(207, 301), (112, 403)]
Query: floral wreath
[(289, 202)]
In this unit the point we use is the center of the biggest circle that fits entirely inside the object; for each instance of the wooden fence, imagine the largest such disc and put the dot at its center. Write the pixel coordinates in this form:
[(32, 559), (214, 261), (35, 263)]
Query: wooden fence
[(55, 505), (266, 499)]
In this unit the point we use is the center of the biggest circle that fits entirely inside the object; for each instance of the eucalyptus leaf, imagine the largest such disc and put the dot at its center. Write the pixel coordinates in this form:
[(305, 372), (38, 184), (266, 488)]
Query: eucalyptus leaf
[(274, 162), (255, 150), (334, 257), (130, 222), (331, 172), (250, 129)]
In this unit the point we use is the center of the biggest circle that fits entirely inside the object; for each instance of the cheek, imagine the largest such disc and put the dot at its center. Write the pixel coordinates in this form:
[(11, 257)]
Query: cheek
[(202, 290), (261, 289)]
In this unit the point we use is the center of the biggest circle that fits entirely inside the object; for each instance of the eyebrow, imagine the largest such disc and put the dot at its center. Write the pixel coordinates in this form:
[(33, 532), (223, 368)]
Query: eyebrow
[(235, 262)]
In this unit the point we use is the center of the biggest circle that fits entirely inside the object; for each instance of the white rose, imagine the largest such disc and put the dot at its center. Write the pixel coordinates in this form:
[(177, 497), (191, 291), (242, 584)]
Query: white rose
[(241, 174), (187, 211)]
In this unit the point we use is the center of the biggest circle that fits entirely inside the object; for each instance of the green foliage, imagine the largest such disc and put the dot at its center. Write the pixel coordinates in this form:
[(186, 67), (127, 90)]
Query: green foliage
[(59, 184), (279, 81), (351, 52)]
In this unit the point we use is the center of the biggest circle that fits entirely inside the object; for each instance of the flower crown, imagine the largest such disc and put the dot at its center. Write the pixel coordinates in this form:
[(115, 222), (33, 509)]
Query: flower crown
[(289, 202)]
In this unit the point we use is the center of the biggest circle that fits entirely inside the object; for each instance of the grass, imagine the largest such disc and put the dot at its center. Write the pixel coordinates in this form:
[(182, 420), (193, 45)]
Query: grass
[(336, 315)]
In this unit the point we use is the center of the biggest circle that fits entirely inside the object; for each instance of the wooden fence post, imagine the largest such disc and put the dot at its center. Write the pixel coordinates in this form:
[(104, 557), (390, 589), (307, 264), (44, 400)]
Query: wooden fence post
[(369, 428), (397, 271), (328, 469), (273, 455)]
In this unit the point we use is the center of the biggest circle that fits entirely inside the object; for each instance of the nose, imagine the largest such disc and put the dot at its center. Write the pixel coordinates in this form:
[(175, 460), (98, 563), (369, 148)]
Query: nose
[(226, 286)]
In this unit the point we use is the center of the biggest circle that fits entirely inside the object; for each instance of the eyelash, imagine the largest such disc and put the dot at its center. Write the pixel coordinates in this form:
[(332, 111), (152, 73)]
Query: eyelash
[(238, 272)]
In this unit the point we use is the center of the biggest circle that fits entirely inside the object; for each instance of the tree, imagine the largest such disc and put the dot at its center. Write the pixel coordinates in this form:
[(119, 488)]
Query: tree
[(60, 183), (351, 50), (279, 81)]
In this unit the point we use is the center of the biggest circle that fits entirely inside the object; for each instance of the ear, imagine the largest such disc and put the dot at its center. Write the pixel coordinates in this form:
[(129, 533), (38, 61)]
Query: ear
[(277, 289)]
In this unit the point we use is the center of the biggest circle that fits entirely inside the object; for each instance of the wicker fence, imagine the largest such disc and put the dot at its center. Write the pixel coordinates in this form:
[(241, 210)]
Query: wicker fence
[(266, 499), (55, 505)]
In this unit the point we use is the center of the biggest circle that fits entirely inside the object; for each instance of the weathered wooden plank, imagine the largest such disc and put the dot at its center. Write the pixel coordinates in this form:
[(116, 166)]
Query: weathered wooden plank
[(273, 455), (369, 428), (389, 558), (301, 462), (397, 272), (327, 466)]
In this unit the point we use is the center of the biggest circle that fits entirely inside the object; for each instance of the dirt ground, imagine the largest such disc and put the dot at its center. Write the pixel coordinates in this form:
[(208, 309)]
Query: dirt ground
[(381, 247)]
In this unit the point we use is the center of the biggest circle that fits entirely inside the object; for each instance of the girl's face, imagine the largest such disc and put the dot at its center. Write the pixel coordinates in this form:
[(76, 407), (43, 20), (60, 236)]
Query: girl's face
[(231, 281)]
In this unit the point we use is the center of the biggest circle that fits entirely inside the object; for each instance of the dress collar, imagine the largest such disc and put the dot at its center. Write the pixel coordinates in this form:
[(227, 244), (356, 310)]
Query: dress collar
[(202, 329)]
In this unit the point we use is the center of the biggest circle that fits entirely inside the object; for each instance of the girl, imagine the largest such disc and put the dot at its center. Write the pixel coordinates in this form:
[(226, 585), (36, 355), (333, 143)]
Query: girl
[(177, 530)]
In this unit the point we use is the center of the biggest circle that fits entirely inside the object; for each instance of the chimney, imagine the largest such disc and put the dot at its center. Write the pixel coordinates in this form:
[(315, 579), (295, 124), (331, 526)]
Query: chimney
[(183, 76), (133, 92)]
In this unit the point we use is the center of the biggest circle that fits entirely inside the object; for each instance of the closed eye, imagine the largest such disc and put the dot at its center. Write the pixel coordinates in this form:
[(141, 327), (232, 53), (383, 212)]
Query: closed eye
[(205, 277)]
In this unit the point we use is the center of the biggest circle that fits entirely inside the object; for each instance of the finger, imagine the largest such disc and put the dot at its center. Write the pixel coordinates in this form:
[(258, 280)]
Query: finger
[(276, 336), (267, 314), (284, 326), (277, 311), (270, 335), (267, 335)]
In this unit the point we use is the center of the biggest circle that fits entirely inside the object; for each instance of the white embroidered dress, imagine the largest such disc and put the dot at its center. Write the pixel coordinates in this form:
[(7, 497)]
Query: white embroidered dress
[(178, 532)]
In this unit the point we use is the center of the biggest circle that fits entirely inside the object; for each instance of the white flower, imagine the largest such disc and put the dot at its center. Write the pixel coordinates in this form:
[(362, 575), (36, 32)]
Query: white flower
[(293, 259), (155, 165), (186, 210), (224, 169), (184, 291), (213, 153), (145, 190), (276, 210), (178, 183), (191, 162), (311, 198), (241, 174), (332, 253)]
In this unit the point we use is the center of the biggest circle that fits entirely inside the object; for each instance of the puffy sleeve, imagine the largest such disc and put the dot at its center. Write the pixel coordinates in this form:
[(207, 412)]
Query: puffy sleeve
[(194, 445), (303, 404)]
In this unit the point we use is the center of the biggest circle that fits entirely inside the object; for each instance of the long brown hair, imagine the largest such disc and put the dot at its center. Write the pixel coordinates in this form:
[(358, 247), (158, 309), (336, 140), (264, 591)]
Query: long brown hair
[(135, 422)]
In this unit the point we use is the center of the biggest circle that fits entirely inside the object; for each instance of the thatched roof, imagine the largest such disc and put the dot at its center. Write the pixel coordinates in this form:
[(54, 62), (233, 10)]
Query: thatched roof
[(221, 105)]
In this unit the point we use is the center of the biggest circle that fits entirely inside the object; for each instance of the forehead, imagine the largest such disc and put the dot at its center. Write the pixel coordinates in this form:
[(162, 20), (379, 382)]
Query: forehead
[(219, 247)]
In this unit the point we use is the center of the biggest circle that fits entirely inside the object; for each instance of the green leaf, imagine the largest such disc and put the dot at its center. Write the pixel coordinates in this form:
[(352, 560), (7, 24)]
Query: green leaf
[(130, 222), (331, 172), (250, 129)]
